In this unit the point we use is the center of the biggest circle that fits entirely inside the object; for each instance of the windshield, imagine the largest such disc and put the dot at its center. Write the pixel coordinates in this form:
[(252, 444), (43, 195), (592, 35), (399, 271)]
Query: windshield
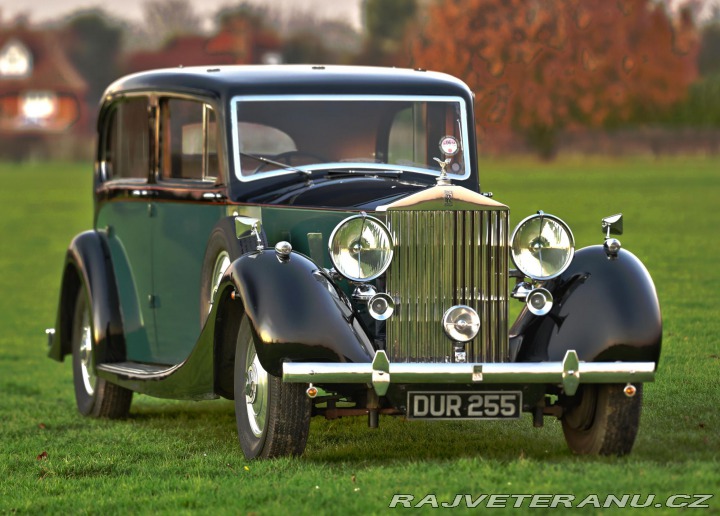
[(284, 135)]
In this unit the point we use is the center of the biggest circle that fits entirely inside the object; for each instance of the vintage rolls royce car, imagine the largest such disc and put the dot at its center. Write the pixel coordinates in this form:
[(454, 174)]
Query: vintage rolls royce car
[(312, 240)]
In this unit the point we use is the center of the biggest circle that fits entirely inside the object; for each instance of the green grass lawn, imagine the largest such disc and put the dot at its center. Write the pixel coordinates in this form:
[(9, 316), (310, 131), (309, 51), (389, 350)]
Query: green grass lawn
[(183, 457)]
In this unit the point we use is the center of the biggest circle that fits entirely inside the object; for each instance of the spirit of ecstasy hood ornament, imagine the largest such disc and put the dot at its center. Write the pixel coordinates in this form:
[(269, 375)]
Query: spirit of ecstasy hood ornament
[(443, 179)]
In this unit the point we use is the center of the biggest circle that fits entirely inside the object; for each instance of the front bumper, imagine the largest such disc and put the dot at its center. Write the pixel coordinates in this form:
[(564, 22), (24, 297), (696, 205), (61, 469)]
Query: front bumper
[(569, 373)]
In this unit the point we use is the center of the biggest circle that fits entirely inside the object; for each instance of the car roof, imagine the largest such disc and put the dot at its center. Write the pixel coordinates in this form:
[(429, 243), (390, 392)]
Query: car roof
[(228, 81)]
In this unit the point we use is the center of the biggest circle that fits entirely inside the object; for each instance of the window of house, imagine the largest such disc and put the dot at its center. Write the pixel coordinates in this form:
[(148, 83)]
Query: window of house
[(38, 107), (15, 60)]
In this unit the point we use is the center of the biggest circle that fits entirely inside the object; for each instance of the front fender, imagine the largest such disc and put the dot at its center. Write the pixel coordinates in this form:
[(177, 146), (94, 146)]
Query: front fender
[(605, 309), (88, 267), (296, 311)]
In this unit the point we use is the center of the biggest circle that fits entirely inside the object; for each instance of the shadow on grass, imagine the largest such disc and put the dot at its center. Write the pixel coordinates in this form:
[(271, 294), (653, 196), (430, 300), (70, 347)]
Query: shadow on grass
[(399, 440), (349, 440)]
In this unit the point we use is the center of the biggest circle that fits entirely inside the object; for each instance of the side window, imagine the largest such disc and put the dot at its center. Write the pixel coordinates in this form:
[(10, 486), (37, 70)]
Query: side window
[(189, 141), (127, 140)]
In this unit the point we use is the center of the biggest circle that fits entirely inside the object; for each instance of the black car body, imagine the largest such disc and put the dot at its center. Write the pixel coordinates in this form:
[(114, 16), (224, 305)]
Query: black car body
[(314, 241)]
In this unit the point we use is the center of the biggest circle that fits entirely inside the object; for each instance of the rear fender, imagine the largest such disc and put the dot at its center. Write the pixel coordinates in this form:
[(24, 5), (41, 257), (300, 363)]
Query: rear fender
[(88, 267), (605, 309), (296, 311)]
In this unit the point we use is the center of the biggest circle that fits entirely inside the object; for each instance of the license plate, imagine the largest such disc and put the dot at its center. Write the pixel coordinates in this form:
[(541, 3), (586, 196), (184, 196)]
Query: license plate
[(464, 405)]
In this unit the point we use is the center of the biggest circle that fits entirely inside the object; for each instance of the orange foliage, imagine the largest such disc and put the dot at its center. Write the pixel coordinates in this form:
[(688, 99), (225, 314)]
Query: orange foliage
[(559, 63)]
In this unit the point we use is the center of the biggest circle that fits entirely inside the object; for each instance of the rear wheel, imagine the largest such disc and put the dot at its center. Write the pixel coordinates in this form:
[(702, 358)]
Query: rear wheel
[(604, 421), (94, 395), (273, 418)]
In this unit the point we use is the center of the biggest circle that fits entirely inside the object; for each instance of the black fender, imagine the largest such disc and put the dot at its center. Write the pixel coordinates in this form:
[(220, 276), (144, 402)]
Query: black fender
[(88, 266), (605, 309), (296, 311)]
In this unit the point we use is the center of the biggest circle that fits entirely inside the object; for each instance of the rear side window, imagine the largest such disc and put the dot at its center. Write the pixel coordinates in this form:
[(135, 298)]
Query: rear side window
[(189, 141), (127, 140)]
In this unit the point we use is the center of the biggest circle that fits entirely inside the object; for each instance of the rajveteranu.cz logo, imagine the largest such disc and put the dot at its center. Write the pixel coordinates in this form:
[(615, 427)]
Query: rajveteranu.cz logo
[(499, 501)]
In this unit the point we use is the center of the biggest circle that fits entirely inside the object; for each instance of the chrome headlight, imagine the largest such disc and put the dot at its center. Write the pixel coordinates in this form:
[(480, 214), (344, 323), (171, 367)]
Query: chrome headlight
[(542, 246), (361, 248)]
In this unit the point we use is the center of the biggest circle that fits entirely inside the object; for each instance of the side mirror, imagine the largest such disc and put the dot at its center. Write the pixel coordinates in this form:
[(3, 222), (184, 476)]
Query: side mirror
[(246, 226), (612, 225)]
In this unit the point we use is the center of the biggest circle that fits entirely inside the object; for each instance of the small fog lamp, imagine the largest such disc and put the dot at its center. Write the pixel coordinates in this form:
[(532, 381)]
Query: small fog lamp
[(539, 301), (381, 307)]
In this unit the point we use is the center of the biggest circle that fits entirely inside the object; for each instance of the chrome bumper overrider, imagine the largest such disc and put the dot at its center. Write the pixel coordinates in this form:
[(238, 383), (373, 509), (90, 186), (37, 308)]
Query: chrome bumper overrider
[(569, 373), (50, 334)]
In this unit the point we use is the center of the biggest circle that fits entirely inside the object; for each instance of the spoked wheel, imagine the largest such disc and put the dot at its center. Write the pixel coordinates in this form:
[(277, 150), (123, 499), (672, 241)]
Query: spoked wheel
[(94, 396), (604, 421), (273, 418)]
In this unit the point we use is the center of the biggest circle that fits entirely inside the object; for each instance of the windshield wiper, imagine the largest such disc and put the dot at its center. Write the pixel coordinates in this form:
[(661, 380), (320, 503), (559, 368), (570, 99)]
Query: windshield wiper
[(281, 166), (364, 171)]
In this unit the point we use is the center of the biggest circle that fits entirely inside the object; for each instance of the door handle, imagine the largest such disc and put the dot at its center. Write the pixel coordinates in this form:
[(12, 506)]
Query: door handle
[(143, 194)]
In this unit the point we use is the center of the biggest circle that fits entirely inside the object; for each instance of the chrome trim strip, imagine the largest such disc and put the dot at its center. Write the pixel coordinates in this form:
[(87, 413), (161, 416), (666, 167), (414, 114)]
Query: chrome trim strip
[(569, 373), (234, 101), (443, 198)]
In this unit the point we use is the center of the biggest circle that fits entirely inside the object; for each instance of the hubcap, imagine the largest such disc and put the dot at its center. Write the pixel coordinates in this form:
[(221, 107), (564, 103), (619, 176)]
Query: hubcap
[(86, 366), (251, 384), (256, 391)]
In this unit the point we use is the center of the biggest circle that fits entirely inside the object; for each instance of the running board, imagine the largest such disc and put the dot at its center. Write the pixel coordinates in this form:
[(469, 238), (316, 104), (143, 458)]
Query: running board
[(191, 379), (135, 370)]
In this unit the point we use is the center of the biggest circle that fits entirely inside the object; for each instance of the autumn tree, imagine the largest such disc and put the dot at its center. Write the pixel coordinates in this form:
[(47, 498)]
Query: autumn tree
[(94, 42), (306, 47), (309, 40), (386, 24), (541, 67), (166, 19)]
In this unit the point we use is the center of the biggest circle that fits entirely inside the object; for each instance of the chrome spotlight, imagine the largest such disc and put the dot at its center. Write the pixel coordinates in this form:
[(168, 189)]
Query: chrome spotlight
[(381, 306), (461, 323), (542, 246), (539, 301), (361, 248)]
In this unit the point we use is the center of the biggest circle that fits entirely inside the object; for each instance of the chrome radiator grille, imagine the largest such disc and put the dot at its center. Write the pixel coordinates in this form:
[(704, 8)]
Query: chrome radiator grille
[(446, 258)]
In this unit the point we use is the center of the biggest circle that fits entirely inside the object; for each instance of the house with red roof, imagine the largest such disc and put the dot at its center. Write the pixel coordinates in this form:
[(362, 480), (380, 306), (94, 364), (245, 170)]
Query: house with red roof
[(239, 41), (41, 94), (189, 50)]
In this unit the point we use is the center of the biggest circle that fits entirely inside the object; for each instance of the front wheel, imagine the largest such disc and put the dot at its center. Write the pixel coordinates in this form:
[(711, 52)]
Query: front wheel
[(604, 421), (94, 395), (273, 418)]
